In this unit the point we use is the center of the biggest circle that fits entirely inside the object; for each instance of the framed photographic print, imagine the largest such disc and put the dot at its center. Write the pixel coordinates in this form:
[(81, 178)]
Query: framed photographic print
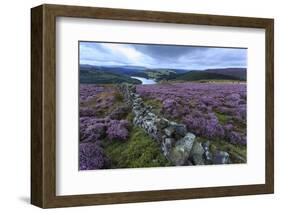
[(136, 106)]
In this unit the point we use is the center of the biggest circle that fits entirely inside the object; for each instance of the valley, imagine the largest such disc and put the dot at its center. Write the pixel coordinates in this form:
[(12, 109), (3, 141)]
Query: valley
[(141, 75)]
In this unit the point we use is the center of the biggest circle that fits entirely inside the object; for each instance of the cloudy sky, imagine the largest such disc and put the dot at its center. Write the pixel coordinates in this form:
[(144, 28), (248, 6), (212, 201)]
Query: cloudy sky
[(161, 56)]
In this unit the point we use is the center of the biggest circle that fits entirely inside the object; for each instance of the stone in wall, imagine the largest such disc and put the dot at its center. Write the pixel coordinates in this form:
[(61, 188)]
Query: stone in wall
[(180, 151)]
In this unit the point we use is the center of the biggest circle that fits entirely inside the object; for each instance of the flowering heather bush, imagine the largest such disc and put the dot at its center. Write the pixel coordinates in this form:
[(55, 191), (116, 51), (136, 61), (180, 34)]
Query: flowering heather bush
[(88, 91), (117, 130), (93, 129), (92, 156), (86, 111), (101, 101), (208, 109)]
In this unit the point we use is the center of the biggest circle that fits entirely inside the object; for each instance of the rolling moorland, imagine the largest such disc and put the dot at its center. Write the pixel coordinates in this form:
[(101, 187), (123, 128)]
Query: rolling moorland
[(149, 125), (110, 75)]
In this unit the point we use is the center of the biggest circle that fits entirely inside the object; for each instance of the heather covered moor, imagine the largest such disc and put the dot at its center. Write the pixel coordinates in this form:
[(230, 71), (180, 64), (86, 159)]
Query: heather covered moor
[(136, 117), (216, 113)]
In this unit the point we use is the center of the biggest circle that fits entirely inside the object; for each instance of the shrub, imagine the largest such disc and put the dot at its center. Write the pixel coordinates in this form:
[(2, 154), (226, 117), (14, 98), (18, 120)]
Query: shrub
[(92, 156), (117, 130)]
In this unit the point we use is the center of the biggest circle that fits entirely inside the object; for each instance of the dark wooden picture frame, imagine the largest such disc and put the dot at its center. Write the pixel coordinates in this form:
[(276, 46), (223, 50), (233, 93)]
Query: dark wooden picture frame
[(43, 105)]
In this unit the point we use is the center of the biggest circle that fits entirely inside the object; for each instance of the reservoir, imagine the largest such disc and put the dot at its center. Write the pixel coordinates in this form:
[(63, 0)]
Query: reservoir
[(145, 80)]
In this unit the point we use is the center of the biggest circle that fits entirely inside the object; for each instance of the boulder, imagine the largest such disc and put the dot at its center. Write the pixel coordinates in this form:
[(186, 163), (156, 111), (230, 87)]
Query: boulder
[(167, 145), (180, 130), (149, 108), (162, 123), (206, 145), (142, 111), (170, 141), (180, 152), (172, 123), (189, 163), (138, 100), (208, 157), (197, 149), (221, 157), (169, 131), (135, 95), (150, 114), (197, 160), (136, 107), (148, 118), (196, 154)]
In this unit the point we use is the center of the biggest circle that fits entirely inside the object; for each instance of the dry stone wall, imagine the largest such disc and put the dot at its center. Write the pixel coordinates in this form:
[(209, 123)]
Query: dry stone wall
[(178, 145)]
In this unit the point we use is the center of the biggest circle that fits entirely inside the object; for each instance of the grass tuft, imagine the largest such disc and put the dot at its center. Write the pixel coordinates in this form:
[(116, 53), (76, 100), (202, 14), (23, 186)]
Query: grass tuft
[(223, 119), (139, 151)]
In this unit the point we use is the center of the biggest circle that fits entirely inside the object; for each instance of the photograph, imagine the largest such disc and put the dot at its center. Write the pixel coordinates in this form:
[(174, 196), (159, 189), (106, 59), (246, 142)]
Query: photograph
[(161, 105), (143, 105)]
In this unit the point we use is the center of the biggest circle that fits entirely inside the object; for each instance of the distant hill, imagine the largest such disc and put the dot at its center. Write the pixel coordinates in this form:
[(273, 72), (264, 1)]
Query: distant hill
[(126, 70), (240, 73), (131, 67), (132, 70), (119, 74), (101, 77), (201, 75)]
